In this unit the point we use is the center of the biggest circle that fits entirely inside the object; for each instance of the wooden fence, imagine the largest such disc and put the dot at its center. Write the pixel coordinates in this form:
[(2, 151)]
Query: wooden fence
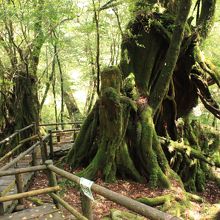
[(14, 143), (87, 211), (53, 188)]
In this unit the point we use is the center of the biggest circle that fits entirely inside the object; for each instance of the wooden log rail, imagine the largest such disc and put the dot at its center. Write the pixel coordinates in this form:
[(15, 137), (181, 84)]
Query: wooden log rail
[(56, 124), (22, 170), (65, 131), (16, 136), (9, 138), (20, 156), (51, 190), (16, 133), (29, 194), (58, 133), (29, 150), (16, 148), (128, 203)]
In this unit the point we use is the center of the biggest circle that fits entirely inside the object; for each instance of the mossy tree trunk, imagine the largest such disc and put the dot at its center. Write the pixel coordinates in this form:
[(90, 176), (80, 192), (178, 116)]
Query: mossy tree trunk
[(71, 106), (205, 16), (26, 92), (120, 135), (24, 59)]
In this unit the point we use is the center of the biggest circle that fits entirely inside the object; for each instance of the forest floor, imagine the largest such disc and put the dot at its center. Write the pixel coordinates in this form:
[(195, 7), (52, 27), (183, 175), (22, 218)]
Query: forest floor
[(102, 207)]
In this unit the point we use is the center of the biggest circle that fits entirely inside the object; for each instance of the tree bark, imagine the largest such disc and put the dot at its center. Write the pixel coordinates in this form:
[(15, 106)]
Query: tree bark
[(163, 82), (205, 18)]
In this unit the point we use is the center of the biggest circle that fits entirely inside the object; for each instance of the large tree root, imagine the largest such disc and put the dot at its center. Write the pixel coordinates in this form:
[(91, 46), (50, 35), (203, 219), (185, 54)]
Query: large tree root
[(118, 215)]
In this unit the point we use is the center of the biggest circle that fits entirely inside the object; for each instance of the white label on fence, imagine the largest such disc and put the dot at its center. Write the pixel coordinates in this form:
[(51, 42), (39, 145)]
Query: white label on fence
[(85, 185)]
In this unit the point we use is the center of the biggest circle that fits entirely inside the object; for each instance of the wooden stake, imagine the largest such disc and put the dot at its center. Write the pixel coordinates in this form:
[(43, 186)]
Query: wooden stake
[(2, 211), (51, 145), (68, 207), (20, 189), (86, 206), (52, 179)]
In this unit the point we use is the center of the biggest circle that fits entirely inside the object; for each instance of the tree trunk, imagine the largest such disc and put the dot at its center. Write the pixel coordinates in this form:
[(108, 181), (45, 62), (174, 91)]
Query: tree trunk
[(155, 88), (71, 106), (205, 18)]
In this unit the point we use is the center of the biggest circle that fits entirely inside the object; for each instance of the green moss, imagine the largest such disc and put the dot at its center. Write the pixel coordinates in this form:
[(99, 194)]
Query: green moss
[(200, 180), (155, 174), (110, 163), (126, 165), (83, 140), (179, 160), (118, 215), (159, 200), (190, 183), (111, 77), (91, 171)]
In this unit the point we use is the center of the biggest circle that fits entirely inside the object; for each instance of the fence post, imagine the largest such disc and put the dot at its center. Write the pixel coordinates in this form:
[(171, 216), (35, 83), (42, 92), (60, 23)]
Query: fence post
[(2, 211), (52, 179), (18, 139), (35, 128), (20, 189), (74, 135), (44, 151), (34, 157), (51, 145), (86, 204)]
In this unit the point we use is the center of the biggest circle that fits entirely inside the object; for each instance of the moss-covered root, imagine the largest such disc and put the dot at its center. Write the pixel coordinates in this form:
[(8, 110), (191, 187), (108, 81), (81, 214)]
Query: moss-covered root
[(168, 203), (155, 174), (160, 200), (92, 170), (125, 164), (84, 139), (118, 215)]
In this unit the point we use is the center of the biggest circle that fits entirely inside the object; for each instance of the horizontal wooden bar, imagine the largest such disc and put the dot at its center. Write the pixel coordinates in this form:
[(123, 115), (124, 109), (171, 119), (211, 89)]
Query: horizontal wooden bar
[(67, 123), (28, 139), (20, 156), (65, 131), (68, 207), (25, 128), (132, 204), (29, 194), (63, 142), (22, 170), (129, 203), (9, 138), (10, 152), (65, 174), (17, 147)]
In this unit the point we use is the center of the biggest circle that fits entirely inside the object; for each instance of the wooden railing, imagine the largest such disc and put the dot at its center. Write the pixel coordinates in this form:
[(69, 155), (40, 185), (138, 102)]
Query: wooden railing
[(18, 133), (32, 152), (57, 133), (53, 188), (55, 137), (14, 143), (87, 211)]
